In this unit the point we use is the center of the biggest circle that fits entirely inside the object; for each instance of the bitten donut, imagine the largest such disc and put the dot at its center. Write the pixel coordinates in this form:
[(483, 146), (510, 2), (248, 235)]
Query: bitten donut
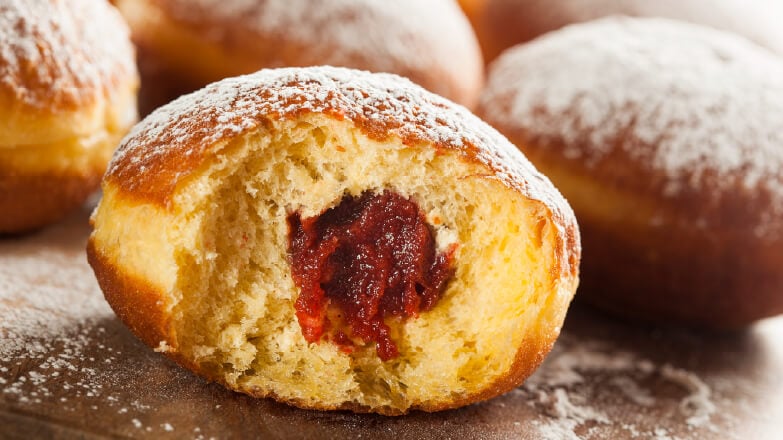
[(67, 95), (666, 138), (335, 239), (501, 24), (187, 44)]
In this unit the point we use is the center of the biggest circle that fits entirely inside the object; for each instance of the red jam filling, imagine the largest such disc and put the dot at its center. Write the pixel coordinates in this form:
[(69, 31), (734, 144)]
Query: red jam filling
[(368, 259)]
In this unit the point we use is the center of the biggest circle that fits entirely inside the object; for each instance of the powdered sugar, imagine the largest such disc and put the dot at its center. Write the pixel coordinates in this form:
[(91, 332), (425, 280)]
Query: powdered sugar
[(172, 141), (39, 318), (698, 106), (429, 41), (558, 404), (632, 391), (226, 109), (564, 387), (697, 406), (45, 309), (59, 348), (758, 20), (567, 416), (339, 28), (62, 52)]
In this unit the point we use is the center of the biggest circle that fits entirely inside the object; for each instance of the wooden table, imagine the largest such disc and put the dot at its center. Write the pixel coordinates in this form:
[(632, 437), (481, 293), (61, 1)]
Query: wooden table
[(69, 369)]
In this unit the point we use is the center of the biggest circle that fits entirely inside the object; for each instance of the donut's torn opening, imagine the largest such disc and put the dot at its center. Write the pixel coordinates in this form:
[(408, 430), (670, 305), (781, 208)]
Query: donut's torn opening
[(485, 293), (368, 259)]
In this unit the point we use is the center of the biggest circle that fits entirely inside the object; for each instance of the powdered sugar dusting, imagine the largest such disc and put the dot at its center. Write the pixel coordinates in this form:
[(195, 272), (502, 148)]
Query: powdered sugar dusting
[(172, 141), (62, 52), (558, 404), (29, 306), (62, 350), (342, 27), (429, 41), (231, 107), (697, 406), (758, 20), (576, 371), (701, 107), (51, 310)]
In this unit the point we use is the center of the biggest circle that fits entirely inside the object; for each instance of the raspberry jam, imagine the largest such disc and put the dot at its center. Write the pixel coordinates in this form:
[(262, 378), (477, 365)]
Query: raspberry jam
[(369, 258)]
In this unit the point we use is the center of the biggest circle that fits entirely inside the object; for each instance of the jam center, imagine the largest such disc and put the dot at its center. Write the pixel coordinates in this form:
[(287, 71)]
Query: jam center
[(369, 258)]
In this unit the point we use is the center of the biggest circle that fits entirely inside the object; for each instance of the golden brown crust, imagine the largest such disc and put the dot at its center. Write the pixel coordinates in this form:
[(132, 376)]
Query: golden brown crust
[(429, 42), (501, 24), (529, 356), (30, 202), (140, 306), (136, 302)]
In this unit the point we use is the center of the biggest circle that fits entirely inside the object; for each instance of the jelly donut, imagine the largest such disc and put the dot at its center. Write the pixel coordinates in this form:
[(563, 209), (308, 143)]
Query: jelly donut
[(666, 139), (68, 87), (335, 239), (430, 42), (501, 24)]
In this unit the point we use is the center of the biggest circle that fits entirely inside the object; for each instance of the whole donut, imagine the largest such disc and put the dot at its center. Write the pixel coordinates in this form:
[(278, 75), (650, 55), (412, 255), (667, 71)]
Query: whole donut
[(188, 43), (666, 139), (258, 232), (501, 24), (68, 86)]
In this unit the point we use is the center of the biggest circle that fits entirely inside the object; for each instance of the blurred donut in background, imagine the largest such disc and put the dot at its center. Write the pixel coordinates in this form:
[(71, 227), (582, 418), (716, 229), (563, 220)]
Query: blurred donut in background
[(68, 85), (186, 44), (666, 139), (501, 24)]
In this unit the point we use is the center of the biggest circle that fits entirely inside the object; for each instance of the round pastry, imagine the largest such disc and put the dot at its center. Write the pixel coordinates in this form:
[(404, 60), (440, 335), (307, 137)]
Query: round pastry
[(335, 239), (201, 41), (501, 24), (666, 138), (67, 95)]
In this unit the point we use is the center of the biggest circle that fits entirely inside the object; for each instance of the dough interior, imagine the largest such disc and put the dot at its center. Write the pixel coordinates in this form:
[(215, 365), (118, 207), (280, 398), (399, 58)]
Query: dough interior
[(220, 253)]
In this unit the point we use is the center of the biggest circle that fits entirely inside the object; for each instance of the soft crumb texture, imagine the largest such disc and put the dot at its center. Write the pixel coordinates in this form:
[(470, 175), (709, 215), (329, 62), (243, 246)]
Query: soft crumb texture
[(216, 249), (700, 107), (62, 53)]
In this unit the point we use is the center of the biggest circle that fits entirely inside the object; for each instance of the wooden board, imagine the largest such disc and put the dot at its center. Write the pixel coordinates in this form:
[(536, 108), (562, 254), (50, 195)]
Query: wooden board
[(69, 369)]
